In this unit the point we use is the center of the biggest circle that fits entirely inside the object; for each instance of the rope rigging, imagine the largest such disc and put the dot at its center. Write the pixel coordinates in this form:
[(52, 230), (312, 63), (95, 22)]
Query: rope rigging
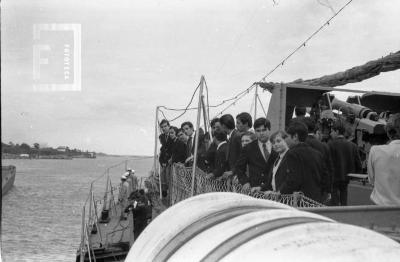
[(303, 44), (241, 94)]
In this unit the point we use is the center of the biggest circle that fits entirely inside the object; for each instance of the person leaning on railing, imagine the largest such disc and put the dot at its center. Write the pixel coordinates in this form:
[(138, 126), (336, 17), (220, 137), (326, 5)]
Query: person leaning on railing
[(188, 128), (177, 147), (212, 149), (305, 166), (164, 154), (220, 162), (233, 140), (277, 176)]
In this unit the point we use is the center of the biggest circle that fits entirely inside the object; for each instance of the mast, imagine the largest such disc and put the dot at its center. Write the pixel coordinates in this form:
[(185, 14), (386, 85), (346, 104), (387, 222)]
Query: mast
[(196, 146), (155, 166)]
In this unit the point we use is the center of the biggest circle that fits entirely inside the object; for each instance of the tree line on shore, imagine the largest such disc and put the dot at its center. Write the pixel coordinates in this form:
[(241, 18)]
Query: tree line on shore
[(36, 150)]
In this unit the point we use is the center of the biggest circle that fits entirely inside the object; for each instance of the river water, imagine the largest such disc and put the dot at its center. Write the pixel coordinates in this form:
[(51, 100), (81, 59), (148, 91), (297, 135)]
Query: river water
[(41, 214)]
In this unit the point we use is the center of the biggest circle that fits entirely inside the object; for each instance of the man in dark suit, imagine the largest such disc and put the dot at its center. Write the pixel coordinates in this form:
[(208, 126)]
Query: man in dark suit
[(221, 164), (257, 156), (234, 143), (210, 154), (188, 128), (346, 160), (164, 154), (164, 140), (177, 147), (323, 148), (305, 165)]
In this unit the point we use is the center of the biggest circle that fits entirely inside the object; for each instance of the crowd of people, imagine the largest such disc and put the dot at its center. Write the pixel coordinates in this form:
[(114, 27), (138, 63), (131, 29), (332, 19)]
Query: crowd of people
[(285, 161)]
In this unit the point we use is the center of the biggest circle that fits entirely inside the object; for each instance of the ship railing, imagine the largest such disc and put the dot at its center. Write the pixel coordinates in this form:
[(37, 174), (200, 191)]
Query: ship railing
[(180, 187), (98, 201)]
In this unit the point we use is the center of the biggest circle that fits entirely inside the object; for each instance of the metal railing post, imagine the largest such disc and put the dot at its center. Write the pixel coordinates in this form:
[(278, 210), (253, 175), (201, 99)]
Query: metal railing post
[(255, 103), (106, 193), (90, 204), (88, 242), (97, 219), (207, 127), (156, 150), (196, 146), (82, 257)]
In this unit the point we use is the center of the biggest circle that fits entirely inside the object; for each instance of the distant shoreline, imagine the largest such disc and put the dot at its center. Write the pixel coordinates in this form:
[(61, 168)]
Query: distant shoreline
[(12, 156), (131, 156)]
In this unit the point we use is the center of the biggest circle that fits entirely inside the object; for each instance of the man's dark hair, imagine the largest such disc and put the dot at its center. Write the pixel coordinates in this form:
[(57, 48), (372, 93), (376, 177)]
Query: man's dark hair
[(282, 133), (298, 128), (228, 121), (310, 123), (245, 118), (213, 121), (175, 129), (300, 111), (339, 127), (189, 124), (249, 134), (164, 121), (220, 135), (262, 121)]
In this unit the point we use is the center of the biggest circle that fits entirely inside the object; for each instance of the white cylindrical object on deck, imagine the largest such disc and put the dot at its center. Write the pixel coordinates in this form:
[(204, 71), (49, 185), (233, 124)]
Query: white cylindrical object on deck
[(236, 227), (165, 227)]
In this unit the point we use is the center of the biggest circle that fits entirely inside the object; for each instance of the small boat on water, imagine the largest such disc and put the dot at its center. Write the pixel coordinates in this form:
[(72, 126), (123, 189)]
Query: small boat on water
[(7, 178)]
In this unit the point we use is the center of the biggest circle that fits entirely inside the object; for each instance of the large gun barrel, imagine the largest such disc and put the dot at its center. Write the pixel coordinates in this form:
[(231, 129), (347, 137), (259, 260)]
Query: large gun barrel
[(358, 110)]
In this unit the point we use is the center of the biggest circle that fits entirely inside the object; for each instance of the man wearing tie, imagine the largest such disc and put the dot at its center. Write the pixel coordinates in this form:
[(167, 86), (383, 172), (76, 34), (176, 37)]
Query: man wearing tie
[(165, 154), (257, 156), (165, 141), (187, 127)]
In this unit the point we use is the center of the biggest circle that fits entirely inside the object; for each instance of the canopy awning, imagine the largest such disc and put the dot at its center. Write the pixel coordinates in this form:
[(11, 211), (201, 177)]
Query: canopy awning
[(353, 75)]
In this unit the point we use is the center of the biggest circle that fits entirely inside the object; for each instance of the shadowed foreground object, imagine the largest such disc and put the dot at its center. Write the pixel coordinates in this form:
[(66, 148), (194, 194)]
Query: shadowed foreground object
[(235, 227), (7, 178)]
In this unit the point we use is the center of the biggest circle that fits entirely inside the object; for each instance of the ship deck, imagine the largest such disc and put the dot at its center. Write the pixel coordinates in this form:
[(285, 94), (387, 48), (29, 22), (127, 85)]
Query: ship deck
[(111, 241)]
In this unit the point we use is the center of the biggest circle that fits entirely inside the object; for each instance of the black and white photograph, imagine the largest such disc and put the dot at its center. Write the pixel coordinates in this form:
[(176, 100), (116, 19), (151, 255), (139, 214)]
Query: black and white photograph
[(198, 130)]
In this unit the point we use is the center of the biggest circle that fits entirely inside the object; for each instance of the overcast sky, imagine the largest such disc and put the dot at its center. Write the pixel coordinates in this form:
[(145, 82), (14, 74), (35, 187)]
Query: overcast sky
[(139, 54)]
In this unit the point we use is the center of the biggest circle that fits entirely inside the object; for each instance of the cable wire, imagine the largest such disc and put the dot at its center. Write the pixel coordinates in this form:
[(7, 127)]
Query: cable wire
[(238, 97), (187, 107), (305, 42), (244, 92)]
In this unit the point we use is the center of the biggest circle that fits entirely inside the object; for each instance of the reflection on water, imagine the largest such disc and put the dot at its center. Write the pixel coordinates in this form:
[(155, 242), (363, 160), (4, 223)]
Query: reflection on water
[(41, 216)]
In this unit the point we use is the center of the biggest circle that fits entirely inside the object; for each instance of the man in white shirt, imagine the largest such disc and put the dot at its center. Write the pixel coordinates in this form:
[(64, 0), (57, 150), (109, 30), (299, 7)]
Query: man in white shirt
[(124, 192), (384, 166)]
